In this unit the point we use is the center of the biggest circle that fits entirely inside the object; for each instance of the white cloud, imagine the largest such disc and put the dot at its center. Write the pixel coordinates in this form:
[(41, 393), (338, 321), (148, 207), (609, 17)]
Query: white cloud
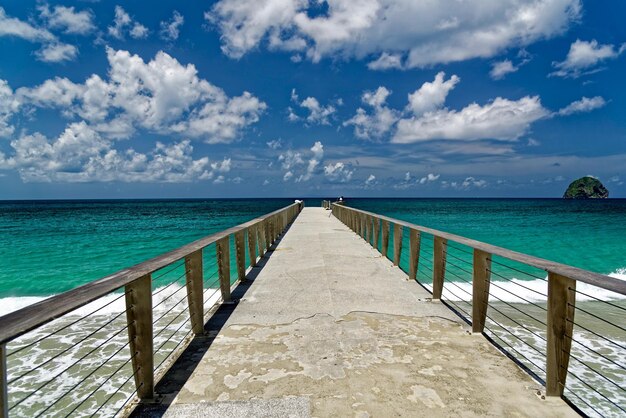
[(583, 58), (288, 175), (338, 172), (67, 19), (275, 143), (171, 29), (52, 50), (467, 184), (290, 159), (8, 106), (386, 61), (57, 52), (371, 180), (400, 33), (221, 167), (318, 114), (430, 177), (161, 95), (376, 124), (10, 26), (123, 24), (318, 154), (80, 154), (583, 105), (431, 95), (139, 31), (500, 69), (500, 119)]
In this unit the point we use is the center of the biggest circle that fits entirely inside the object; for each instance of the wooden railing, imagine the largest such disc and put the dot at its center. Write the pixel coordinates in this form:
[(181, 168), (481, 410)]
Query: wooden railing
[(471, 261), (139, 287)]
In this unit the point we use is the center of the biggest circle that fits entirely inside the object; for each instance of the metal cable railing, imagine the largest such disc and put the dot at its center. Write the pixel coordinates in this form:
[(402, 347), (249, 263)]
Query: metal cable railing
[(520, 303), (99, 348)]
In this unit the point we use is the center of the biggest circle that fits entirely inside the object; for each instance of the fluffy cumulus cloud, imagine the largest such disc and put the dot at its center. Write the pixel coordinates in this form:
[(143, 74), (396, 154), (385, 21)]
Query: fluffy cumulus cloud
[(123, 24), (57, 52), (501, 68), (583, 105), (318, 154), (317, 114), (425, 118), (432, 95), (395, 34), (8, 106), (370, 180), (171, 29), (500, 119), (375, 124), (295, 166), (67, 19), (52, 49), (81, 154), (584, 57), (161, 96), (430, 177), (338, 172)]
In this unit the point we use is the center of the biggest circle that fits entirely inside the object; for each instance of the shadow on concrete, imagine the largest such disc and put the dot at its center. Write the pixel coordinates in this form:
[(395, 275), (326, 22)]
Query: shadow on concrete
[(177, 375)]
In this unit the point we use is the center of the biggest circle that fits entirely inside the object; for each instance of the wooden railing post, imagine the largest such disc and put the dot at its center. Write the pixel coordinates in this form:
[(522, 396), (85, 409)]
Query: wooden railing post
[(4, 387), (240, 253), (252, 231), (140, 334), (376, 232), (223, 266), (360, 224), (368, 227), (266, 227), (480, 289), (397, 244), (414, 249), (561, 308), (195, 291), (439, 265), (261, 238), (385, 243)]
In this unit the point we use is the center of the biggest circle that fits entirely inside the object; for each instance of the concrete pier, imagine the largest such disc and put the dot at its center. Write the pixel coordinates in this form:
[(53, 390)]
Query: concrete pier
[(328, 327)]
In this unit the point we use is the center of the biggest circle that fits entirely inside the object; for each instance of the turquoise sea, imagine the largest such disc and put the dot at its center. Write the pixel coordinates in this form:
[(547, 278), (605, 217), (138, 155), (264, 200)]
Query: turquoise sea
[(48, 247), (590, 234), (52, 246)]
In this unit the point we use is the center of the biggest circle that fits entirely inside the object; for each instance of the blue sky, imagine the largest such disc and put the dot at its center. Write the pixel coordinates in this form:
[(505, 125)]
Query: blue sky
[(259, 98)]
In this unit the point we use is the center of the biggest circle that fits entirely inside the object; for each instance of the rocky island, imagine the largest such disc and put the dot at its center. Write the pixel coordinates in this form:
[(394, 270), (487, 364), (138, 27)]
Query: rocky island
[(586, 188)]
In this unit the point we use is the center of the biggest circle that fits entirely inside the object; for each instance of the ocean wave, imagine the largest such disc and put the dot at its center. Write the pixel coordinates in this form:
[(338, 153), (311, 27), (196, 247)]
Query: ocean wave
[(524, 291), (515, 290), (86, 352)]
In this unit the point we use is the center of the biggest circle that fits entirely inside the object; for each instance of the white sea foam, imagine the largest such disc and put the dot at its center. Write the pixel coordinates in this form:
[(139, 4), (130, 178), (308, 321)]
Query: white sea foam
[(522, 291), (98, 343)]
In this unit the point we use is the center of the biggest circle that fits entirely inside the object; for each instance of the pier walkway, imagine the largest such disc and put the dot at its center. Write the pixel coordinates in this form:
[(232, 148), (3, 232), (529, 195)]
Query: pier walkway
[(326, 326)]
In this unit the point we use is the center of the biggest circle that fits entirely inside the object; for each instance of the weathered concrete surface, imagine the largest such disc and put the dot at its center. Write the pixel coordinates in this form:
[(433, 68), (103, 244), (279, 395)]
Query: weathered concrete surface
[(329, 320)]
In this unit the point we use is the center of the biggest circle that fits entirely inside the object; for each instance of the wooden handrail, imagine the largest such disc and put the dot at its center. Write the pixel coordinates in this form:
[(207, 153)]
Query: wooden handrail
[(26, 319), (581, 275)]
